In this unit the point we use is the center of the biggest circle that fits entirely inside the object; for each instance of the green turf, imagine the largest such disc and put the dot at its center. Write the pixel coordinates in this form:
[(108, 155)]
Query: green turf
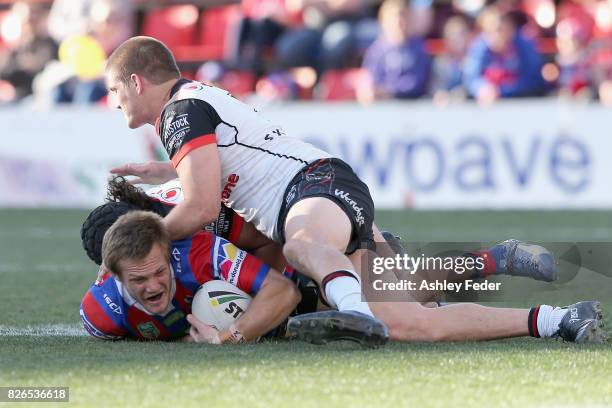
[(44, 273)]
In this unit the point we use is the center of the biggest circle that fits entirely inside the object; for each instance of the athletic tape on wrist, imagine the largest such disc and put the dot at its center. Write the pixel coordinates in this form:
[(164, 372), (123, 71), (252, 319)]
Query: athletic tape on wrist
[(235, 335)]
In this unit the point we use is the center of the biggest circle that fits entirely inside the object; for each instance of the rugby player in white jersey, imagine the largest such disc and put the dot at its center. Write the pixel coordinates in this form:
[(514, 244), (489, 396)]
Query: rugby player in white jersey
[(297, 195)]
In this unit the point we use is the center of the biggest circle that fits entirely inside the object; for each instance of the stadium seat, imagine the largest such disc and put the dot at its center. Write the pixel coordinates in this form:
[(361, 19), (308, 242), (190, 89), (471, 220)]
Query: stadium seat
[(341, 84), (217, 27), (175, 26)]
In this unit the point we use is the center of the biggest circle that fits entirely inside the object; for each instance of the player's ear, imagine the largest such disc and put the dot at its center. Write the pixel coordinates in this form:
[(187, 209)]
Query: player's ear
[(136, 82)]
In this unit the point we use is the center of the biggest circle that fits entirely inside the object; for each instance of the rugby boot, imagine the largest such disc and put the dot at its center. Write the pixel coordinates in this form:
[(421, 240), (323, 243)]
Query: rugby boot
[(583, 323), (394, 242), (333, 325), (518, 258)]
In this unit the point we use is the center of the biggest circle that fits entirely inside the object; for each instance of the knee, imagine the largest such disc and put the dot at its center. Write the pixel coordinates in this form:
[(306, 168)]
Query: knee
[(291, 250)]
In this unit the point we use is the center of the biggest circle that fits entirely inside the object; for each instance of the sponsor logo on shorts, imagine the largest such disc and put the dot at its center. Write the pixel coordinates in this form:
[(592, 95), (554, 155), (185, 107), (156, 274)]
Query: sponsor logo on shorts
[(232, 181), (290, 195), (359, 218)]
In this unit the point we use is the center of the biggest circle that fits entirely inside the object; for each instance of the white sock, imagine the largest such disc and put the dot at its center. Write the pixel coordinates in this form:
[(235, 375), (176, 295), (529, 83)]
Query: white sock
[(549, 318), (344, 293)]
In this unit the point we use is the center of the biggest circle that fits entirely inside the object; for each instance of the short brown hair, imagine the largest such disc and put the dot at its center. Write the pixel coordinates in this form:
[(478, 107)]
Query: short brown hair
[(132, 237), (144, 56)]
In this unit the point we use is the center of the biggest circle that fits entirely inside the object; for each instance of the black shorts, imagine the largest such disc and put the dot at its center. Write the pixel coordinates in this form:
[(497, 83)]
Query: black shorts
[(335, 180)]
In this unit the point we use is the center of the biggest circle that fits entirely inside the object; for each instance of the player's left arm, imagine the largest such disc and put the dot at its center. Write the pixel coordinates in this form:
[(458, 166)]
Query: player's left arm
[(199, 172)]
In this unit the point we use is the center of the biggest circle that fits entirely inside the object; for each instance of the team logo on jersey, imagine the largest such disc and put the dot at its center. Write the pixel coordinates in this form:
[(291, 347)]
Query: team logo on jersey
[(148, 330), (172, 195), (230, 259)]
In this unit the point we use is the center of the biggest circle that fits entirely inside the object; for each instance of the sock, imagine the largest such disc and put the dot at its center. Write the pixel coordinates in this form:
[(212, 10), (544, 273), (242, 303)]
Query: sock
[(343, 290), (544, 320), (494, 260)]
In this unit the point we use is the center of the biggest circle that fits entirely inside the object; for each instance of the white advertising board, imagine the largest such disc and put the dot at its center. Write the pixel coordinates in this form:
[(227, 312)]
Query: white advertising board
[(516, 154)]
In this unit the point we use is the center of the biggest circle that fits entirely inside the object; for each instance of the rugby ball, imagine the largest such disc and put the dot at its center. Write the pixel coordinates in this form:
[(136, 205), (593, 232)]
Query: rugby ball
[(218, 304)]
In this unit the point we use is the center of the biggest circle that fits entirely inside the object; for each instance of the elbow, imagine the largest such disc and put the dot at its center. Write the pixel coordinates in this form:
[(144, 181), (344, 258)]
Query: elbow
[(292, 295)]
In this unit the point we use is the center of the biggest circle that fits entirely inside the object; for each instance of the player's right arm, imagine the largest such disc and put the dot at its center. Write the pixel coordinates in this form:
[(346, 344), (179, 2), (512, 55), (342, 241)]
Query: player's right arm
[(199, 172), (101, 314)]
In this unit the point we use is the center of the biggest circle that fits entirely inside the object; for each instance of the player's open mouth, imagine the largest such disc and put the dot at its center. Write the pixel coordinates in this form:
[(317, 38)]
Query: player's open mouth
[(155, 298)]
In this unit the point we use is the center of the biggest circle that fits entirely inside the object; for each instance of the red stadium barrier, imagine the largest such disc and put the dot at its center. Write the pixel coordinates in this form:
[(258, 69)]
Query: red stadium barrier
[(175, 26)]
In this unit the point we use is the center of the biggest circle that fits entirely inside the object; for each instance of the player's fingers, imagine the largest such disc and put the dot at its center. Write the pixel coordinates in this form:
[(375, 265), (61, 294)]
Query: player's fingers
[(193, 333), (192, 320), (123, 170)]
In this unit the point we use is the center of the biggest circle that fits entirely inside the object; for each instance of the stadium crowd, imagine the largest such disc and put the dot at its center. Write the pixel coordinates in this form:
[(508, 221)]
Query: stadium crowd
[(319, 49)]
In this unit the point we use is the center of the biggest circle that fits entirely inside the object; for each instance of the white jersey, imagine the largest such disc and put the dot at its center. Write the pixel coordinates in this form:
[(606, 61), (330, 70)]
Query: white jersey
[(258, 160)]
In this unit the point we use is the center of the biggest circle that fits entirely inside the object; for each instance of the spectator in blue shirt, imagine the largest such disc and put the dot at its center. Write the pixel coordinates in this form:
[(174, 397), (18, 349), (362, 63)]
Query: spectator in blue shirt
[(397, 62), (501, 62)]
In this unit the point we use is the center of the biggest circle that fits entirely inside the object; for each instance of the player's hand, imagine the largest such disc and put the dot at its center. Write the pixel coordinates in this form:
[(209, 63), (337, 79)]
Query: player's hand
[(102, 271), (147, 173), (202, 333)]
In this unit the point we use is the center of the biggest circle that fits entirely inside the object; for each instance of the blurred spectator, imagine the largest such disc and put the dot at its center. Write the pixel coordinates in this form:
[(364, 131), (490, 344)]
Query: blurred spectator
[(31, 50), (264, 21), (69, 17), (111, 22), (602, 51), (334, 35), (108, 23), (397, 62), (447, 72), (573, 58), (501, 62)]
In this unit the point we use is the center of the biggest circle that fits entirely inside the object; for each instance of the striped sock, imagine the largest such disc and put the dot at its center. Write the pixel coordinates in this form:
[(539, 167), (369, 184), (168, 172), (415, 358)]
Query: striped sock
[(544, 320), (342, 290)]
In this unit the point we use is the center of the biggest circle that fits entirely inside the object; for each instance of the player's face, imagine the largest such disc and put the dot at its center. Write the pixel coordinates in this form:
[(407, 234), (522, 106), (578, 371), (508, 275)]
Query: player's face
[(125, 97), (149, 280)]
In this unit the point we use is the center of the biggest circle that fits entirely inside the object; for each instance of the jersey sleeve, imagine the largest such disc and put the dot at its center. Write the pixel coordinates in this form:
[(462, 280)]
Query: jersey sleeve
[(186, 125), (98, 312), (225, 261)]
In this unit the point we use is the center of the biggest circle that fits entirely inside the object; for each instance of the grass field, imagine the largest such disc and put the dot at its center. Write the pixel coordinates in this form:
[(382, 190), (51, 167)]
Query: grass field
[(44, 273)]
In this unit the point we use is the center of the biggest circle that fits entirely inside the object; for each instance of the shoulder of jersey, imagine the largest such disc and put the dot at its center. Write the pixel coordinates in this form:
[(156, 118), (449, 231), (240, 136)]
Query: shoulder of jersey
[(189, 90)]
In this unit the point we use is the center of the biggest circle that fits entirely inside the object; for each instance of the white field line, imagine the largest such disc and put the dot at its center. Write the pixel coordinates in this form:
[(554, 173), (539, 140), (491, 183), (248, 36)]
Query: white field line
[(45, 330)]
